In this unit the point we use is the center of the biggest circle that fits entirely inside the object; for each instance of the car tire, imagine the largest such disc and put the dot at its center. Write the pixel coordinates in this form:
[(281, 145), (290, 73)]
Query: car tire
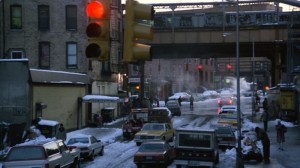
[(92, 156), (178, 166), (138, 143), (101, 153), (76, 163), (172, 138)]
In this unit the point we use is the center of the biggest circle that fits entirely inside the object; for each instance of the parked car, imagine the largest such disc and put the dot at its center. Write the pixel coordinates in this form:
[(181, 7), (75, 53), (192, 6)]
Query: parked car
[(50, 154), (154, 153), (225, 137), (89, 146), (196, 148), (155, 131), (174, 107), (210, 94), (184, 96)]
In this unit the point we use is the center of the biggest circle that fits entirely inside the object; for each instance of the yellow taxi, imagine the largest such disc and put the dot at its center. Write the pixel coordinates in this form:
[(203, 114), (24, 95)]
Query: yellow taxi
[(154, 132)]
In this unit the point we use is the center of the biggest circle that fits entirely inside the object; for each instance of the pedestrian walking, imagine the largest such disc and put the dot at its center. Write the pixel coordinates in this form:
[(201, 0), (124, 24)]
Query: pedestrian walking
[(281, 130), (191, 102), (265, 104), (265, 119), (257, 99), (62, 132), (263, 136), (179, 101)]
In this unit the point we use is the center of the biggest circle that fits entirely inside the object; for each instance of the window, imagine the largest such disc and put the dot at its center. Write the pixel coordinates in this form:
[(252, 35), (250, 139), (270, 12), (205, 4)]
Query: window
[(71, 17), (44, 55), (71, 55), (15, 54), (43, 17), (16, 17)]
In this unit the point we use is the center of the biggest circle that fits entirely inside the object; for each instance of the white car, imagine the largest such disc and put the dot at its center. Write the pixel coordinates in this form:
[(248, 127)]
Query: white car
[(184, 96), (47, 153), (230, 109), (89, 146)]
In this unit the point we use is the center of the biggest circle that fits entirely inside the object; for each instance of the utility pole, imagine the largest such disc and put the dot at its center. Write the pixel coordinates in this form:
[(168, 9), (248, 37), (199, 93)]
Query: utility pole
[(239, 160)]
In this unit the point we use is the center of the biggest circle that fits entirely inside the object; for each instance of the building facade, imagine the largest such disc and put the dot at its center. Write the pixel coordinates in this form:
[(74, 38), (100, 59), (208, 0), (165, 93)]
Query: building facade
[(52, 36)]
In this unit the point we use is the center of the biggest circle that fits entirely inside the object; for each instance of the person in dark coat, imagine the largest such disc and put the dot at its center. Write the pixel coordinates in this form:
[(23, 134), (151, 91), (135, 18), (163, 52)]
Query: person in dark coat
[(265, 118), (257, 99), (191, 102), (62, 132), (265, 104), (179, 101), (281, 130), (263, 136)]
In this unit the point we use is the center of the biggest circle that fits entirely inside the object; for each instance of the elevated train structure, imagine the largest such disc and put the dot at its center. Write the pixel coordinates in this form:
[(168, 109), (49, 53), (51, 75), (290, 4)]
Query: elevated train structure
[(210, 32)]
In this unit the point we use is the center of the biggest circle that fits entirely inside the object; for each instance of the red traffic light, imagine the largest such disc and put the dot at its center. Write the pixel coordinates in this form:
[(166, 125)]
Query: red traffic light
[(229, 66), (95, 10), (200, 67)]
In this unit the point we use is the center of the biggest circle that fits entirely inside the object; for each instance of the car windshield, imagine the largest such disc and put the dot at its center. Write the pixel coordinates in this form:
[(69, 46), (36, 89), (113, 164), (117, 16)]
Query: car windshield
[(152, 148), (153, 127), (26, 153), (223, 131), (78, 140), (195, 140)]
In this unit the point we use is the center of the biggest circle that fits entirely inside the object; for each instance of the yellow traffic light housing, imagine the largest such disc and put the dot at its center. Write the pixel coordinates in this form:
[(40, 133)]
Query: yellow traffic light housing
[(98, 30), (134, 31)]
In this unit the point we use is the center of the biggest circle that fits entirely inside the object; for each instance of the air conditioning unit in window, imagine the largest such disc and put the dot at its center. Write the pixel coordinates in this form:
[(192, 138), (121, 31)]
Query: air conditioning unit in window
[(15, 54)]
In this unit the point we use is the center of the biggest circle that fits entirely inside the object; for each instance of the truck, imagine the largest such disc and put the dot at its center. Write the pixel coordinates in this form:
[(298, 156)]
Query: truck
[(139, 116), (136, 118), (283, 102), (15, 100), (196, 148)]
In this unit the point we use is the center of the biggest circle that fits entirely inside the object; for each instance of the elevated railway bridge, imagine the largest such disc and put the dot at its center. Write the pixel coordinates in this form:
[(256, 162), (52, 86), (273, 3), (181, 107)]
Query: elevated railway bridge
[(202, 32)]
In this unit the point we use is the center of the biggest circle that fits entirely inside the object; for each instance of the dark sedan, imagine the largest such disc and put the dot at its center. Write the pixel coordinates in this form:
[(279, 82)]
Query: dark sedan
[(174, 107), (225, 137), (154, 153)]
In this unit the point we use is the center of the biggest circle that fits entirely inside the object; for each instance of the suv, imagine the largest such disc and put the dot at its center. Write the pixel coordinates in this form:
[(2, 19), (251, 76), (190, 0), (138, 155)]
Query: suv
[(50, 154), (196, 148)]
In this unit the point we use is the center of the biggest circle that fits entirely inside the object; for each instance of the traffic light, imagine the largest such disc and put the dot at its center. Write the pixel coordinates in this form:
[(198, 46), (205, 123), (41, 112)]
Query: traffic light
[(200, 69), (134, 31), (98, 30), (229, 67)]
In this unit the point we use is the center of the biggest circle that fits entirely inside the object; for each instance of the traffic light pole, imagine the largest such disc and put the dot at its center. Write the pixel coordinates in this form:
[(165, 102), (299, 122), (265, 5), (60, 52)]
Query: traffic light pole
[(142, 81), (239, 159)]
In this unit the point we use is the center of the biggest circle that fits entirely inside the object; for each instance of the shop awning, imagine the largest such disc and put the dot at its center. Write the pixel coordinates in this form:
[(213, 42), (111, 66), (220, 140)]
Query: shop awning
[(100, 99)]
